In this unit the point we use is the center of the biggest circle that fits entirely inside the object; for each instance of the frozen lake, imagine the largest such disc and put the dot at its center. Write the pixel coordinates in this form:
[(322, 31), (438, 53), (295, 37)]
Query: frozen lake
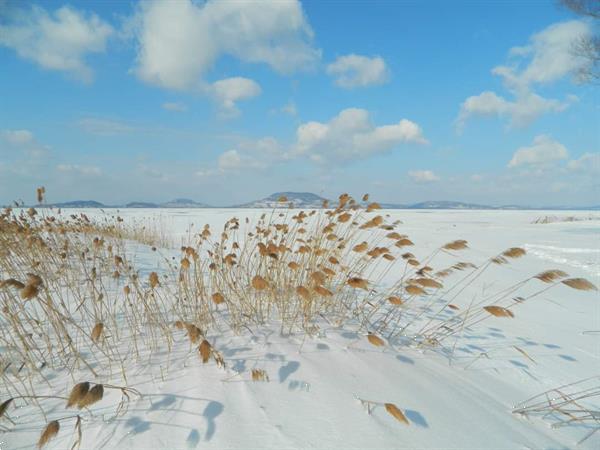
[(311, 399)]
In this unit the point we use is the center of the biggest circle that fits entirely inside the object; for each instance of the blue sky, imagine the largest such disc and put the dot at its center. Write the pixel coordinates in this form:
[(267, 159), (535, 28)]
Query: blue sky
[(225, 102)]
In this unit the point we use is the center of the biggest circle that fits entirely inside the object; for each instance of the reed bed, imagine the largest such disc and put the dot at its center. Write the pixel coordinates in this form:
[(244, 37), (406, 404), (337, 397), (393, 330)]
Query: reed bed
[(73, 301)]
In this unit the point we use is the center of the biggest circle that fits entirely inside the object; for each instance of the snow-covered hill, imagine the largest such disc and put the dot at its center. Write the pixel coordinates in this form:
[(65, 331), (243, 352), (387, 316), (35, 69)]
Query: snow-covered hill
[(305, 200)]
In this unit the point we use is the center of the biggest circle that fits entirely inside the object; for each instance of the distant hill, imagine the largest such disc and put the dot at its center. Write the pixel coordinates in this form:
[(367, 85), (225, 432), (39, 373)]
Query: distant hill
[(76, 204), (177, 203), (183, 203), (306, 200), (141, 205), (448, 205)]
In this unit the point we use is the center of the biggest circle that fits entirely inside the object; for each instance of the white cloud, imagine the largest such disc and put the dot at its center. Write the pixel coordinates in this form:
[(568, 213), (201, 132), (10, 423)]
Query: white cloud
[(588, 162), (17, 137), (234, 161), (80, 170), (525, 109), (231, 90), (230, 160), (174, 106), (477, 177), (178, 42), (423, 176), (350, 136), (544, 150), (352, 71), (104, 127), (23, 141), (547, 58), (56, 41), (550, 54)]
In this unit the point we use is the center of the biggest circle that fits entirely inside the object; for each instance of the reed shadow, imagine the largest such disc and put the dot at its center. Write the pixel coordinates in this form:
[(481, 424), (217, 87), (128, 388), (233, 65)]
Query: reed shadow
[(138, 426), (211, 412), (405, 359), (288, 369), (164, 403), (193, 439), (416, 417)]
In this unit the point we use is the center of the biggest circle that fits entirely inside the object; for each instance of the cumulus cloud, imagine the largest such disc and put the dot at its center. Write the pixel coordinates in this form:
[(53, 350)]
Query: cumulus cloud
[(588, 162), (350, 136), (56, 41), (525, 109), (231, 90), (423, 176), (543, 151), (17, 137), (254, 157), (79, 170), (547, 58), (232, 160), (351, 71), (178, 42), (24, 142), (174, 106), (550, 55)]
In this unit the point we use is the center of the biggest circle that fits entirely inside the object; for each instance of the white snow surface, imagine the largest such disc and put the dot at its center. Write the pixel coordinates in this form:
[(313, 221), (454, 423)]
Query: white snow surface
[(311, 401)]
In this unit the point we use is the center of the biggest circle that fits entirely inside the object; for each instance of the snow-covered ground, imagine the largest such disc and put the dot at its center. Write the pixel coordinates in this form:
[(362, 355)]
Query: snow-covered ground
[(311, 400)]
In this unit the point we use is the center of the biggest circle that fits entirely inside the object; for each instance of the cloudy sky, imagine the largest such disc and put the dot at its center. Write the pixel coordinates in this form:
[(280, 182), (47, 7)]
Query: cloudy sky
[(229, 101)]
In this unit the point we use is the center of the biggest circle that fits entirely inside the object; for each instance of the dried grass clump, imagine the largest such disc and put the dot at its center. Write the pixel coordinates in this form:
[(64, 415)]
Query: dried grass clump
[(29, 291), (414, 290), (97, 331), (153, 280), (581, 284), (358, 283), (322, 291), (395, 300), (49, 432), (94, 395), (395, 412), (259, 283), (259, 375), (78, 393), (375, 340), (514, 252), (456, 245), (194, 333), (428, 282), (549, 276), (218, 298), (499, 311), (205, 350), (40, 194)]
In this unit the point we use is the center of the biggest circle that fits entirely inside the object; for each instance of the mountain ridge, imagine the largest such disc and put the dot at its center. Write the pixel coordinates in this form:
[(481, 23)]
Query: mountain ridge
[(309, 200)]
